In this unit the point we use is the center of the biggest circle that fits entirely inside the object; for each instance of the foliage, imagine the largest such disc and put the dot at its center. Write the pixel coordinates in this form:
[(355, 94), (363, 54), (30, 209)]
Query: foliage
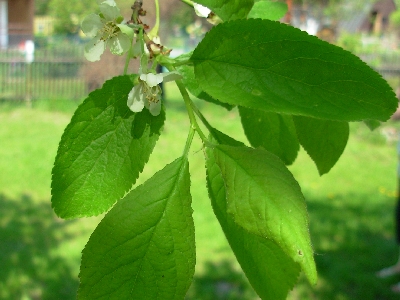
[(350, 42), (41, 7), (68, 14), (301, 90)]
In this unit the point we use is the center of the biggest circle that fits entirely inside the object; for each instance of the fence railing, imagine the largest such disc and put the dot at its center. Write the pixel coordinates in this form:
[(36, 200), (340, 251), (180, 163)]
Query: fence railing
[(53, 74)]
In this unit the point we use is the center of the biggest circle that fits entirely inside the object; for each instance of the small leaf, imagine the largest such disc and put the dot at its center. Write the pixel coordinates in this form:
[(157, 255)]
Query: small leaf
[(144, 248), (324, 140), (372, 125), (193, 87), (270, 271), (270, 66), (274, 132), (265, 199), (228, 9), (266, 9), (102, 151)]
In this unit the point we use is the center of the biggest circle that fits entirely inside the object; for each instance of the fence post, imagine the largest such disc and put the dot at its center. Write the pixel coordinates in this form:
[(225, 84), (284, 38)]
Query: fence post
[(29, 57)]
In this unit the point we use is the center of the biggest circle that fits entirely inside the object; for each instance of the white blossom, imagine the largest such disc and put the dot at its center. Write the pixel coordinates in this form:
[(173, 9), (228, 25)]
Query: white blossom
[(106, 30), (147, 93), (201, 10)]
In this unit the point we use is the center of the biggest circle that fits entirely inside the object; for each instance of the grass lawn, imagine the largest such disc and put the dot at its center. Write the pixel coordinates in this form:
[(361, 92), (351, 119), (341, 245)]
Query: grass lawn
[(351, 211)]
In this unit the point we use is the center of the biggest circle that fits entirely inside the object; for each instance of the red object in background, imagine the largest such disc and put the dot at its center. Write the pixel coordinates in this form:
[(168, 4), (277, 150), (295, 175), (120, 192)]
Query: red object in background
[(288, 16), (21, 46)]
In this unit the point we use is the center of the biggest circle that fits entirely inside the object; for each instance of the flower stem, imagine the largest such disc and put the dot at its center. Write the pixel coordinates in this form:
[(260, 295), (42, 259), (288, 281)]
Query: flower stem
[(154, 31), (188, 2), (189, 140), (127, 60), (182, 63), (188, 103)]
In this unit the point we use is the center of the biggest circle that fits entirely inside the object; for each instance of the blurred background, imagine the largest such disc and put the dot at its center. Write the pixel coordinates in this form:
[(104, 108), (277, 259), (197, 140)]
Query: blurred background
[(44, 77)]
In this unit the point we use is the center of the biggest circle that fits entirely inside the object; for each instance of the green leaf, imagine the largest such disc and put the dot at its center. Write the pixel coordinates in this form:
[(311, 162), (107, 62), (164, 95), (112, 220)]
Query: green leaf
[(144, 248), (372, 125), (274, 132), (228, 9), (266, 9), (265, 199), (193, 87), (270, 66), (270, 271), (102, 151), (324, 140)]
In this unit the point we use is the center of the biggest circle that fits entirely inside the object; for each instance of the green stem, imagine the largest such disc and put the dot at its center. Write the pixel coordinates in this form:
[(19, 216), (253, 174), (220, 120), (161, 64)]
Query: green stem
[(127, 60), (188, 104), (189, 140), (183, 63), (188, 2), (141, 40), (154, 31)]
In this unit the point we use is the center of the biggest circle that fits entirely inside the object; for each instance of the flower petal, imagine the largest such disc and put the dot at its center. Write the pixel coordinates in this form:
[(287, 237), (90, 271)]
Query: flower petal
[(155, 108), (135, 98), (119, 44), (110, 10), (91, 25), (152, 79), (201, 10), (171, 76), (125, 29), (94, 49)]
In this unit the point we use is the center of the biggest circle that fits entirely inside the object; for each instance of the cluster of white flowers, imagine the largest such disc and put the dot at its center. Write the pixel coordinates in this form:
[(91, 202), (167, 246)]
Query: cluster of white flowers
[(147, 93), (106, 30)]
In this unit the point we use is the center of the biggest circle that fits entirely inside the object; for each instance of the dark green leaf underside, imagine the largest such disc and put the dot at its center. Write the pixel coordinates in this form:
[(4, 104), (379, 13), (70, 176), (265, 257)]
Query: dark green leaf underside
[(324, 140), (274, 132)]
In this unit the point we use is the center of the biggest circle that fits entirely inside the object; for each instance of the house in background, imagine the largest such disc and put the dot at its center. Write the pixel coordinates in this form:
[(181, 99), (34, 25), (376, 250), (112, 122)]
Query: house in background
[(377, 21), (374, 20), (16, 22)]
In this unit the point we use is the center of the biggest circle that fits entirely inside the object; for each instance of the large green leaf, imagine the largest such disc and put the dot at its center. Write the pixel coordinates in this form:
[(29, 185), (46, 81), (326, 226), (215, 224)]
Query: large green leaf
[(274, 132), (102, 151), (270, 66), (267, 9), (265, 199), (144, 248), (270, 271), (228, 9), (324, 140), (190, 82)]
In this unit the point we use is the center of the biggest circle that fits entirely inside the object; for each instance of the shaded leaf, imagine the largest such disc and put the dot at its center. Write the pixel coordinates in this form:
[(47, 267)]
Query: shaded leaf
[(144, 248), (324, 140), (274, 132)]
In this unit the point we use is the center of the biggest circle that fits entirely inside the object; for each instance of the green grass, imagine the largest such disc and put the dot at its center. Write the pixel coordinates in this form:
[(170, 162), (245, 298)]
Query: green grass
[(351, 210)]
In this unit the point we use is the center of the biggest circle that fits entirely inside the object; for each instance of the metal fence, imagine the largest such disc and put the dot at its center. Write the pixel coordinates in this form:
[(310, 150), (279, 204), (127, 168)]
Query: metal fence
[(53, 74)]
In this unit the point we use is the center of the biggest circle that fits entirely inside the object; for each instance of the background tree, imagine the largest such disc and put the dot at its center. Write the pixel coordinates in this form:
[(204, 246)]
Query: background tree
[(41, 7)]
